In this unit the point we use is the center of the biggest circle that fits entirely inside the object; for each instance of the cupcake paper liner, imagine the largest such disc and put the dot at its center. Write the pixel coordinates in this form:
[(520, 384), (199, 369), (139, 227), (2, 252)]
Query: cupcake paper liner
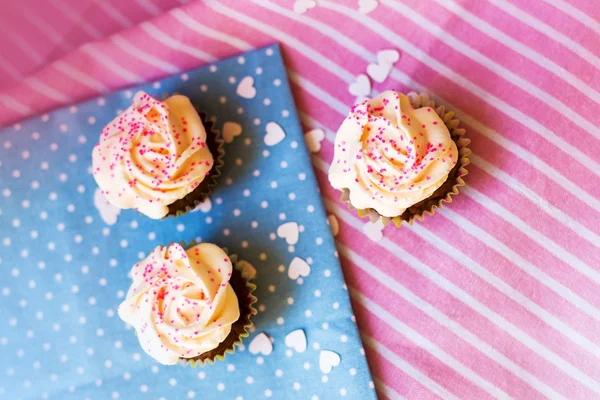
[(448, 189), (243, 288)]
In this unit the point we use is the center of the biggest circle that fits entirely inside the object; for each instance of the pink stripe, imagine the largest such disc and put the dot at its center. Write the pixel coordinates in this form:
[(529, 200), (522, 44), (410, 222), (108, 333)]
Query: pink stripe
[(510, 59), (395, 378), (482, 291), (420, 358), (562, 22), (431, 330)]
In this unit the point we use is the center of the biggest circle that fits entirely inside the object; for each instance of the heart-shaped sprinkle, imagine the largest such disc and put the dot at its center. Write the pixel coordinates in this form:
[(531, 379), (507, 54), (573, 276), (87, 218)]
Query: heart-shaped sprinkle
[(327, 360), (108, 212), (380, 71), (261, 344), (246, 88), (290, 232), (231, 130), (313, 139), (205, 206), (275, 134), (298, 267), (301, 6), (361, 86), (366, 6), (374, 231), (296, 340)]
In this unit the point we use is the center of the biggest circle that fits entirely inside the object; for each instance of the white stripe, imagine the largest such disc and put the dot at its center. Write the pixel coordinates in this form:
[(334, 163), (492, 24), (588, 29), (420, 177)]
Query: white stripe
[(576, 13), (506, 74), (79, 21), (104, 60), (446, 322), (114, 13), (520, 262), (46, 90), (428, 346), (208, 32), (520, 48), (407, 368), (22, 44), (547, 30), (514, 148), (46, 29), (442, 69), (174, 44), (387, 391), (12, 71), (319, 93), (150, 7), (541, 202), (143, 56), (551, 246), (492, 279), (79, 76), (14, 105), (292, 41), (470, 301)]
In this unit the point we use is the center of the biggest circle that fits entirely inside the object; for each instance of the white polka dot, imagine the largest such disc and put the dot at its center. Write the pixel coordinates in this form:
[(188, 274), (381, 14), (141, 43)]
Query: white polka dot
[(143, 388), (343, 392), (292, 196), (264, 204), (100, 332), (316, 346), (371, 385), (273, 185), (310, 208), (16, 173), (82, 139), (81, 189), (284, 164), (259, 71), (6, 193), (256, 121), (269, 52), (282, 216), (222, 99), (296, 386), (184, 77), (267, 102), (220, 387), (308, 313), (277, 82), (290, 300), (336, 305), (266, 153), (262, 256), (280, 321), (254, 224), (241, 60), (281, 268), (327, 273), (285, 113), (201, 375), (85, 269)]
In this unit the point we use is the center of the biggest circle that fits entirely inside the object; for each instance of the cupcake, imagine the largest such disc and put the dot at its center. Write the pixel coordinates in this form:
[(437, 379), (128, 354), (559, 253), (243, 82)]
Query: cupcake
[(160, 158), (189, 306), (397, 157)]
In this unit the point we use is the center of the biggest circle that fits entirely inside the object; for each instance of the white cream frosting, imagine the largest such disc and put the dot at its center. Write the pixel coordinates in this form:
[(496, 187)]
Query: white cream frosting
[(180, 302), (152, 155), (390, 156)]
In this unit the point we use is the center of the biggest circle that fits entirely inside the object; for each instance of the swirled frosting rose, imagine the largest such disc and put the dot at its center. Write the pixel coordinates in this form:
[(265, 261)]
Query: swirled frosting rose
[(180, 302), (390, 156), (151, 155)]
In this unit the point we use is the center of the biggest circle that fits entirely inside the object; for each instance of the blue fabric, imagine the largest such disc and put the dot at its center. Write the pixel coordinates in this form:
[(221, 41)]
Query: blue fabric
[(64, 269)]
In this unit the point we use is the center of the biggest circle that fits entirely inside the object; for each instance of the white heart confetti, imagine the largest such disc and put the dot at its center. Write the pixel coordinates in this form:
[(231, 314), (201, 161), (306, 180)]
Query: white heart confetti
[(205, 206), (246, 88), (261, 344), (298, 267), (301, 6), (380, 71), (327, 360), (275, 134), (374, 231), (296, 340), (290, 232), (231, 130), (333, 225), (313, 139), (366, 6), (361, 86), (108, 212)]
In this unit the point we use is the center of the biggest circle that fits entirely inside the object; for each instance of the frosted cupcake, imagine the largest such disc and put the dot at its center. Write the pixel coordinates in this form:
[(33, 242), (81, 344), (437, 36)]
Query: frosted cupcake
[(397, 157), (189, 306), (159, 158)]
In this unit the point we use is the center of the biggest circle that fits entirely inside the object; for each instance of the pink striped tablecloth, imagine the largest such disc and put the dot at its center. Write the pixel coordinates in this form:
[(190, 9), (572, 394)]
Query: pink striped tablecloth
[(496, 296)]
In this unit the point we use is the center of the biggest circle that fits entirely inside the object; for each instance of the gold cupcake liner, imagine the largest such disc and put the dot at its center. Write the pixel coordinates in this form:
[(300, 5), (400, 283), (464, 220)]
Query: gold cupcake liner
[(244, 289), (448, 189)]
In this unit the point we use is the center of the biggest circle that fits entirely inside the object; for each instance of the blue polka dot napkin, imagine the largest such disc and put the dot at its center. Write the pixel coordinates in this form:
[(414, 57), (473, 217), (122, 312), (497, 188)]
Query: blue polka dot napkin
[(65, 254)]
